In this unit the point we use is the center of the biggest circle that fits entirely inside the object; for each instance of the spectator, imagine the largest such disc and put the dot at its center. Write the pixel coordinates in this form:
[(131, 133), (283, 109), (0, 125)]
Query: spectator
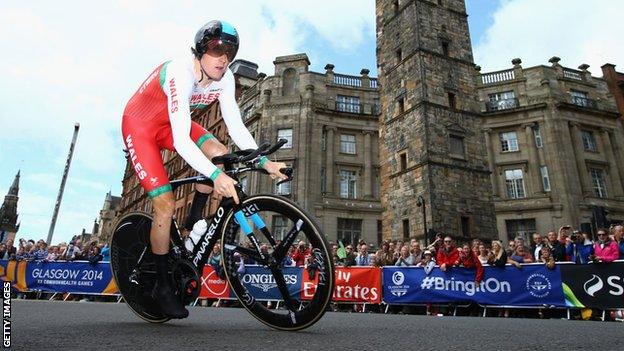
[(536, 246), (557, 251), (415, 251), (10, 251), (41, 251), (385, 256), (52, 254), (470, 260), (511, 248), (427, 262), (546, 258), (447, 255), (77, 252), (21, 254), (215, 261), (436, 244), (95, 255), (350, 259), (62, 251), (521, 255), (375, 261), (2, 250), (618, 235), (483, 253), (30, 250), (300, 254), (605, 249), (579, 248), (105, 250), (362, 258), (405, 259), (498, 256)]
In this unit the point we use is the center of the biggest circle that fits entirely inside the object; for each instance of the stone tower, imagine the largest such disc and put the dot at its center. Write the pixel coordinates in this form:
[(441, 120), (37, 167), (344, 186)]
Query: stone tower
[(8, 212), (431, 142)]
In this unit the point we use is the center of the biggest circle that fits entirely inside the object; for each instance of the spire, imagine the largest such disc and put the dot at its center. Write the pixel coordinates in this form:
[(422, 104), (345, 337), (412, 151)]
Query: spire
[(14, 189)]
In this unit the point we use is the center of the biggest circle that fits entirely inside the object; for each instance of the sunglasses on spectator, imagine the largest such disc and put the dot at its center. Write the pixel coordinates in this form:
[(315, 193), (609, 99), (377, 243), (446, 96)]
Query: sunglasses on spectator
[(603, 234), (447, 241)]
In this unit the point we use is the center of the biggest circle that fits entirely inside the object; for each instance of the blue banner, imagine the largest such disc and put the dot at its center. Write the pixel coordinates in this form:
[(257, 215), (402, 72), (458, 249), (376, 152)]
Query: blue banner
[(75, 277), (532, 285), (262, 286)]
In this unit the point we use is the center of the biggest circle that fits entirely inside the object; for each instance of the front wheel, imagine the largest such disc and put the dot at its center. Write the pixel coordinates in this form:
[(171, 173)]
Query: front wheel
[(274, 225)]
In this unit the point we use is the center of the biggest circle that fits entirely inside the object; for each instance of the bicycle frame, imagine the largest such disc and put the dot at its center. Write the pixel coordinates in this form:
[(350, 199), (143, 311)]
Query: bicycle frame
[(203, 248)]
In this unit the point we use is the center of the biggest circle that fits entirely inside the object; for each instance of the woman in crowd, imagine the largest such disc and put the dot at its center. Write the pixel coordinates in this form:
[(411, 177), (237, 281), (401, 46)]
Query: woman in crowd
[(520, 255), (483, 253), (546, 258), (384, 255), (469, 259), (428, 262), (498, 256), (605, 249)]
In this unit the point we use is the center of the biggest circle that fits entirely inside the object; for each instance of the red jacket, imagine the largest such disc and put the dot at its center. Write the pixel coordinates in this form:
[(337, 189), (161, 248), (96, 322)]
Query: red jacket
[(608, 253), (472, 261), (450, 258), (299, 257)]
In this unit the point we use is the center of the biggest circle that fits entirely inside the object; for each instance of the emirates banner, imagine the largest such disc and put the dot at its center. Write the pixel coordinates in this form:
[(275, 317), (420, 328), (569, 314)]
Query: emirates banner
[(594, 285), (353, 284)]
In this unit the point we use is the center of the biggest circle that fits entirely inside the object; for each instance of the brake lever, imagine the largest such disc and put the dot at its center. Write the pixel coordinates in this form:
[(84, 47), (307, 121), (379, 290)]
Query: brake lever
[(288, 172)]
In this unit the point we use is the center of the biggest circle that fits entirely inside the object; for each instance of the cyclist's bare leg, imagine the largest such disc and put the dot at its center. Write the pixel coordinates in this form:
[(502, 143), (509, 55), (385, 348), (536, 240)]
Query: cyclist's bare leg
[(164, 207)]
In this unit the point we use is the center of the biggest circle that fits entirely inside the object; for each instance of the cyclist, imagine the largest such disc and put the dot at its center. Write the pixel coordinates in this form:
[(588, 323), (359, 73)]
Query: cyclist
[(158, 116)]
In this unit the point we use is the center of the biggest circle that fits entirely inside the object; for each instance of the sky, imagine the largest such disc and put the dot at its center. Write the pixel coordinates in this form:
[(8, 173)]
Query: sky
[(74, 61)]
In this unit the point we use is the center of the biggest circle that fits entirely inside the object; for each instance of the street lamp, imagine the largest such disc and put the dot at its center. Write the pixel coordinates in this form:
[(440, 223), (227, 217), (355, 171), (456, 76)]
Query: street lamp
[(420, 202)]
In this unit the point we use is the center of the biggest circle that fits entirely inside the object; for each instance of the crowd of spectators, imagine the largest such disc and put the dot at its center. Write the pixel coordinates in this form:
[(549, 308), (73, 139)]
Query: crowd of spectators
[(29, 250), (564, 245)]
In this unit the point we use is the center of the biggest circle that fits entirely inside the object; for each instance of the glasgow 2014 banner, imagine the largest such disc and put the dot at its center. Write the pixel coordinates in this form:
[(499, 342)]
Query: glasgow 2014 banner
[(75, 277), (594, 285), (532, 285)]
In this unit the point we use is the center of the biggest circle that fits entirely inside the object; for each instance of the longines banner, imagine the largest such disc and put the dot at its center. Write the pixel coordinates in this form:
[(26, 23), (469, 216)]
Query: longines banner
[(594, 285), (74, 277), (533, 285)]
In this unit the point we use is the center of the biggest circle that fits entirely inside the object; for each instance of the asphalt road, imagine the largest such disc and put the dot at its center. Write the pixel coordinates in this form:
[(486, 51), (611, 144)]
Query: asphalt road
[(57, 325)]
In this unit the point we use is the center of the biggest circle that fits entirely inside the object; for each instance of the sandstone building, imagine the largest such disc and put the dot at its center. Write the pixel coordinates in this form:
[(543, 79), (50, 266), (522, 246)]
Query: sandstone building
[(8, 212)]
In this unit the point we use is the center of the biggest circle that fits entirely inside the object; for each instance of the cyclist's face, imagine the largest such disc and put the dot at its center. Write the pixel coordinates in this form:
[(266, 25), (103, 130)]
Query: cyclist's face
[(215, 66)]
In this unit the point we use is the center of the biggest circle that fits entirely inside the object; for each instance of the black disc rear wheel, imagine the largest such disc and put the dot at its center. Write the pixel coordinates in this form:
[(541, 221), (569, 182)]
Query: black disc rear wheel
[(130, 240), (302, 305)]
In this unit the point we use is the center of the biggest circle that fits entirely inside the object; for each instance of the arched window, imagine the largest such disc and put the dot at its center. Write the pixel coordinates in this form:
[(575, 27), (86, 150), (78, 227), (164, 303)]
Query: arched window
[(290, 82)]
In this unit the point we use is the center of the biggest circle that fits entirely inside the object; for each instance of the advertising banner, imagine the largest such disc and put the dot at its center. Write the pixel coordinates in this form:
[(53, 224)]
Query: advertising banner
[(594, 285), (212, 286), (533, 285), (353, 284), (75, 277)]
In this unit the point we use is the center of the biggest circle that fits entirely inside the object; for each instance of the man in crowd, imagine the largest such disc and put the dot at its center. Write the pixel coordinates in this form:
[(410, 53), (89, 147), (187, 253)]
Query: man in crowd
[(536, 246), (511, 248), (9, 252), (416, 252), (579, 247), (618, 235), (447, 255), (557, 251), (300, 254), (362, 258)]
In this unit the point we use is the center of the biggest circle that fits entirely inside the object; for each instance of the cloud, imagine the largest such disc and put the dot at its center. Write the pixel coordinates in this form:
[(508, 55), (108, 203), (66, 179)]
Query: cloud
[(534, 30)]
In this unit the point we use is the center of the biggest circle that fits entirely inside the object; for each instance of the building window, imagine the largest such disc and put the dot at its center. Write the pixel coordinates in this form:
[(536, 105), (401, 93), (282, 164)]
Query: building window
[(522, 228), (401, 105), (502, 101), (285, 134), (247, 112), (537, 133), (580, 98), (399, 55), (451, 100), (324, 140), (379, 232), (290, 82), (376, 106), (445, 48), (457, 145), (280, 227), (515, 184), (347, 103), (244, 183), (589, 142), (406, 229), (284, 188), (465, 226), (348, 182), (545, 178), (323, 180), (349, 231), (509, 141), (598, 181), (403, 161), (347, 144)]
